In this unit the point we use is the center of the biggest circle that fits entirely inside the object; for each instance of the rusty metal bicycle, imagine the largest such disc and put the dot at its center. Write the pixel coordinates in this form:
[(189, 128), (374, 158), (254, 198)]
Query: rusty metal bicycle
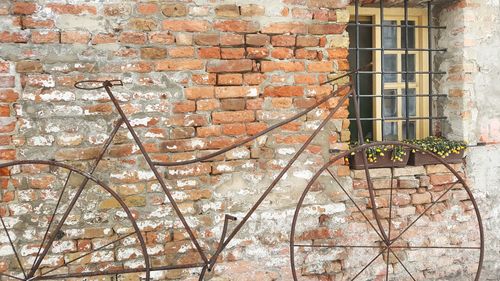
[(366, 233)]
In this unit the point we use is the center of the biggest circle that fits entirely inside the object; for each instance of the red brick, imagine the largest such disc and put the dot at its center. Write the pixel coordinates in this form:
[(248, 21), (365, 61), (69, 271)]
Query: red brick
[(153, 53), (103, 38), (236, 92), (267, 66), (255, 128), (42, 37), (4, 110), (29, 66), (29, 22), (331, 4), (282, 53), (200, 93), (8, 95), (4, 66), (305, 79), (174, 10), (7, 154), (234, 129), (285, 27), (252, 10), (161, 37), (257, 53), (307, 41), (181, 52), (212, 131), (306, 54), (233, 104), (232, 53), (231, 39), (257, 39), (284, 91), (207, 105), (186, 25), (228, 11), (184, 106), (8, 126), (179, 64), (72, 9), (326, 28), (242, 65), (147, 8), (133, 37), (206, 39), (23, 8), (254, 78), (204, 79), (141, 24), (283, 40), (237, 26), (69, 37), (229, 79), (320, 66), (225, 117), (114, 10), (281, 102), (337, 53), (209, 53), (13, 37)]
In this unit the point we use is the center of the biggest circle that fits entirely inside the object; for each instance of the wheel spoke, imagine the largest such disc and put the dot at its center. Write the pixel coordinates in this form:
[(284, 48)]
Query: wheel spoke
[(12, 245), (366, 266), (436, 247), (86, 254), (52, 218), (423, 213), (400, 262), (337, 246), (10, 276), (356, 205)]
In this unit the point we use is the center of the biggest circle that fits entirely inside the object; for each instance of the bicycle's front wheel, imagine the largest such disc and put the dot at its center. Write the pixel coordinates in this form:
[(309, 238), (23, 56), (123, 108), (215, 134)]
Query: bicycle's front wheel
[(58, 223), (412, 223)]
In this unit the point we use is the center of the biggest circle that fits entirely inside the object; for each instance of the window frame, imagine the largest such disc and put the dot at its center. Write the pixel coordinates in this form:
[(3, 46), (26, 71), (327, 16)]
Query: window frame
[(420, 18)]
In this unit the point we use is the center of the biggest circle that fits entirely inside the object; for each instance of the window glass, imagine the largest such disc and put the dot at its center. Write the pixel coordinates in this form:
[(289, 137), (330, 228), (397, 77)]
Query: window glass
[(390, 34), (412, 103), (411, 67), (390, 65), (390, 131), (411, 34), (412, 133), (390, 103)]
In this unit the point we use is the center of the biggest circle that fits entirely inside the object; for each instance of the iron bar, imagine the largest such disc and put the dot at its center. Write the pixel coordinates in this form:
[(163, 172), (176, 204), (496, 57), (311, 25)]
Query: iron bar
[(398, 118), (400, 72), (401, 49), (407, 103), (418, 95), (397, 25), (366, 266), (382, 71), (429, 54)]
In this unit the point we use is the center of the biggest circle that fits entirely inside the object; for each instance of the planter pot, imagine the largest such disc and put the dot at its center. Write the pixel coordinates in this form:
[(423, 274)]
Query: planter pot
[(356, 160), (419, 158)]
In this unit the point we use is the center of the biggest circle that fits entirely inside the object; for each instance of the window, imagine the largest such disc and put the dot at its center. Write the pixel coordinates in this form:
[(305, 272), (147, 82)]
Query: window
[(395, 96)]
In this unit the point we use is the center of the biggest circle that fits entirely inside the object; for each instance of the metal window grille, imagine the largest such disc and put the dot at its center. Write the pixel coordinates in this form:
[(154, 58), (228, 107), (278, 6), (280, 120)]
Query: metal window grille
[(355, 50)]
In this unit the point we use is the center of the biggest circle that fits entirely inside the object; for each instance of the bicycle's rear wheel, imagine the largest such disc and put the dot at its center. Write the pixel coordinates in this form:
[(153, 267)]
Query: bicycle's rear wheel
[(58, 223), (424, 231)]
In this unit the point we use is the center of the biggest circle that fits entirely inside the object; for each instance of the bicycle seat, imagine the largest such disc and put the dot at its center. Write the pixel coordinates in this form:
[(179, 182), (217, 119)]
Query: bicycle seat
[(97, 84)]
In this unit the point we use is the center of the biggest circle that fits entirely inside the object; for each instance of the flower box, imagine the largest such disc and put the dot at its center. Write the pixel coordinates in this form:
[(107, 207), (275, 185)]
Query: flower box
[(385, 161), (419, 158)]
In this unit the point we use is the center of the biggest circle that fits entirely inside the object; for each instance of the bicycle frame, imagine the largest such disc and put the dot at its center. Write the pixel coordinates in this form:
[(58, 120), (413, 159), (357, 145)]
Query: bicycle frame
[(343, 93)]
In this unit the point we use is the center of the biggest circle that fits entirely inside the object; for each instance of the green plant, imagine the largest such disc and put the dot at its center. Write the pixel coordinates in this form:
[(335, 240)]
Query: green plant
[(372, 153), (440, 146)]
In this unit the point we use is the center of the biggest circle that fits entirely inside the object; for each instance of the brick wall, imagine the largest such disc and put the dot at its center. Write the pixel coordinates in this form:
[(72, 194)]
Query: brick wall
[(198, 77)]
